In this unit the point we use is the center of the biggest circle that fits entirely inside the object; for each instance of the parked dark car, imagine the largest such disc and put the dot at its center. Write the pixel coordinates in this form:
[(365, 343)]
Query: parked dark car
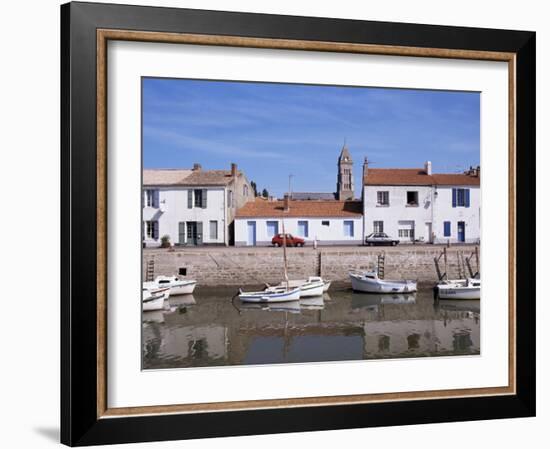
[(380, 238), (290, 240)]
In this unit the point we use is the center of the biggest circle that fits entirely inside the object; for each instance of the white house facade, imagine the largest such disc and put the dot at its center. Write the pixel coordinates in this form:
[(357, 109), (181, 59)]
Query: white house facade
[(328, 222), (418, 205), (192, 207)]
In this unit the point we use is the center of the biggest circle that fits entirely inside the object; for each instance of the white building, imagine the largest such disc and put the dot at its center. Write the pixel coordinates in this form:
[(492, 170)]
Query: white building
[(192, 207), (416, 204), (329, 222)]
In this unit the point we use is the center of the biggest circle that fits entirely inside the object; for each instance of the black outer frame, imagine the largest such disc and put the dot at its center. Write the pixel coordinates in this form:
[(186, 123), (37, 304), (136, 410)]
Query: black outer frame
[(79, 422)]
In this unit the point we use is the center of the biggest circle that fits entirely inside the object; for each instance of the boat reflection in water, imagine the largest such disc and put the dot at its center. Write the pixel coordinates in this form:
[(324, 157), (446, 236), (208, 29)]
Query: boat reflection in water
[(211, 329), (360, 300), (289, 306)]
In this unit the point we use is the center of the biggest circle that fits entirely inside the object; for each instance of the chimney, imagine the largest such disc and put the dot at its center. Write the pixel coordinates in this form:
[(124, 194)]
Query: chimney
[(428, 167), (233, 170), (286, 203), (365, 168), (197, 167)]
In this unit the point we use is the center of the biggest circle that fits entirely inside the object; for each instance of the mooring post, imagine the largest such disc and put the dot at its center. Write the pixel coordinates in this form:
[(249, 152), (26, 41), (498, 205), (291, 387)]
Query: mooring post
[(445, 259)]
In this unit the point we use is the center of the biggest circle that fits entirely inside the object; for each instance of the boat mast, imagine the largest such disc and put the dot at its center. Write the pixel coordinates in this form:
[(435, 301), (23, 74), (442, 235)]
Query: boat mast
[(284, 256)]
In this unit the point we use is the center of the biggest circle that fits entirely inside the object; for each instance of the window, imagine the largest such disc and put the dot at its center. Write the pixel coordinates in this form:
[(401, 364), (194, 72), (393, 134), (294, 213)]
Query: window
[(383, 198), (272, 228), (406, 229), (198, 198), (152, 229), (446, 229), (303, 228), (152, 198), (245, 190), (412, 198), (461, 197), (325, 223), (230, 198), (213, 230), (406, 233), (378, 226), (348, 228)]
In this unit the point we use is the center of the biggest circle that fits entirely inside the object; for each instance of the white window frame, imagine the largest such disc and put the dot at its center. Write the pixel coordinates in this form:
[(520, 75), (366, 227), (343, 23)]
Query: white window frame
[(379, 228), (383, 195)]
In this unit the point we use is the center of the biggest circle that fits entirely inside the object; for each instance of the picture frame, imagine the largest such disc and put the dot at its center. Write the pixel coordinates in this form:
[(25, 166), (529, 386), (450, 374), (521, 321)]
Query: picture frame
[(85, 30)]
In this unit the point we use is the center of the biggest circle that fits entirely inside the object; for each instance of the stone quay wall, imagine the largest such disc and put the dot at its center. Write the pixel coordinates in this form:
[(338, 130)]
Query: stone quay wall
[(230, 266)]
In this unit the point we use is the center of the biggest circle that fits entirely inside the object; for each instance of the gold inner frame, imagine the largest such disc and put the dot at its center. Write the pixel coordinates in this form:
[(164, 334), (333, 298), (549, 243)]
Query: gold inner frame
[(104, 35)]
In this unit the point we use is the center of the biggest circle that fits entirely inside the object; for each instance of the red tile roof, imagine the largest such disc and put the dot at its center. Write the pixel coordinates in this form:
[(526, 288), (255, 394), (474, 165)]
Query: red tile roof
[(415, 177), (298, 208)]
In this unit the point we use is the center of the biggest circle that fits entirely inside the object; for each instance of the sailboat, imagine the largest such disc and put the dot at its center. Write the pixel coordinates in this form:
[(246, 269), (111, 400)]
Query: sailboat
[(283, 294)]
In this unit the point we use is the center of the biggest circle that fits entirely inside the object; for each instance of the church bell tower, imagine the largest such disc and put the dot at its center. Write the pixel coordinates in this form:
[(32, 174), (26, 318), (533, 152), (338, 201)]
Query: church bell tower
[(344, 186)]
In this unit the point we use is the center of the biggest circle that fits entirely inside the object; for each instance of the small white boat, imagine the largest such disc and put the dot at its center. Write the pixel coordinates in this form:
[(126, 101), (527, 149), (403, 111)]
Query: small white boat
[(320, 279), (312, 286), (152, 301), (459, 289), (369, 282), (152, 288), (266, 296), (307, 288), (276, 294), (177, 286)]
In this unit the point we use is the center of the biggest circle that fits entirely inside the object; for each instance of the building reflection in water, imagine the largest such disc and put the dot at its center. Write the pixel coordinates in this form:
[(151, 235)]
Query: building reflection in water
[(209, 329)]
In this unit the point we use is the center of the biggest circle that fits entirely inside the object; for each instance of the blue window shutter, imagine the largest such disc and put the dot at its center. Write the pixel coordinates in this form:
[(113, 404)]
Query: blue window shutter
[(467, 197), (446, 228), (203, 198), (190, 199), (454, 197), (155, 230)]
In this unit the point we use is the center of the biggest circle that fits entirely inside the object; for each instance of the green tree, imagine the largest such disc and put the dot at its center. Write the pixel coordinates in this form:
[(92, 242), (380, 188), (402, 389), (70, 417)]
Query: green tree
[(265, 193), (254, 188)]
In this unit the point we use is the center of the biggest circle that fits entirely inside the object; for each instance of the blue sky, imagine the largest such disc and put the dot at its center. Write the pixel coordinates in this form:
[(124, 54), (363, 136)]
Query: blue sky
[(273, 130)]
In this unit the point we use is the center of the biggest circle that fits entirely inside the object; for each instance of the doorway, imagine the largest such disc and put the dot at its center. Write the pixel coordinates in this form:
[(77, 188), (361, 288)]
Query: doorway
[(194, 233), (429, 238), (251, 235), (461, 231)]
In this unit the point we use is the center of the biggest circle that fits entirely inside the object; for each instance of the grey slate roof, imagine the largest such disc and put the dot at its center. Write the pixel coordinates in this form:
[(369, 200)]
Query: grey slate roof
[(313, 196)]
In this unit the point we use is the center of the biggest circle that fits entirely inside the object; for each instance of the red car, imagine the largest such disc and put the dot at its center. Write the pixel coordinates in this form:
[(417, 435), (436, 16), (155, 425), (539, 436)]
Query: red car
[(290, 240)]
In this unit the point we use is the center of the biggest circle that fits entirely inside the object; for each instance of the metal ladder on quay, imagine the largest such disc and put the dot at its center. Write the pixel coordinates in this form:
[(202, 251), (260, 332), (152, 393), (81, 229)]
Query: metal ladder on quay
[(381, 265), (150, 270)]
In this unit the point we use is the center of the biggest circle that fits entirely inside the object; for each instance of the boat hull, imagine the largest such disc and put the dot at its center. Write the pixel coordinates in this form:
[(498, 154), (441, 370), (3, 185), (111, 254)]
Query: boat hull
[(367, 285), (311, 290), (308, 289), (153, 303), (185, 288), (270, 297), (459, 293)]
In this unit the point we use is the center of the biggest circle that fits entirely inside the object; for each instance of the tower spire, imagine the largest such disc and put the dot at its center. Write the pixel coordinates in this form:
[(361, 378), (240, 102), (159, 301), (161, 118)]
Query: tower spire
[(344, 185)]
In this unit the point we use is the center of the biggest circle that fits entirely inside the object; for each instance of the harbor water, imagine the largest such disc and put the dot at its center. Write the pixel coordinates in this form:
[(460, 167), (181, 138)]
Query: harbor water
[(212, 328)]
